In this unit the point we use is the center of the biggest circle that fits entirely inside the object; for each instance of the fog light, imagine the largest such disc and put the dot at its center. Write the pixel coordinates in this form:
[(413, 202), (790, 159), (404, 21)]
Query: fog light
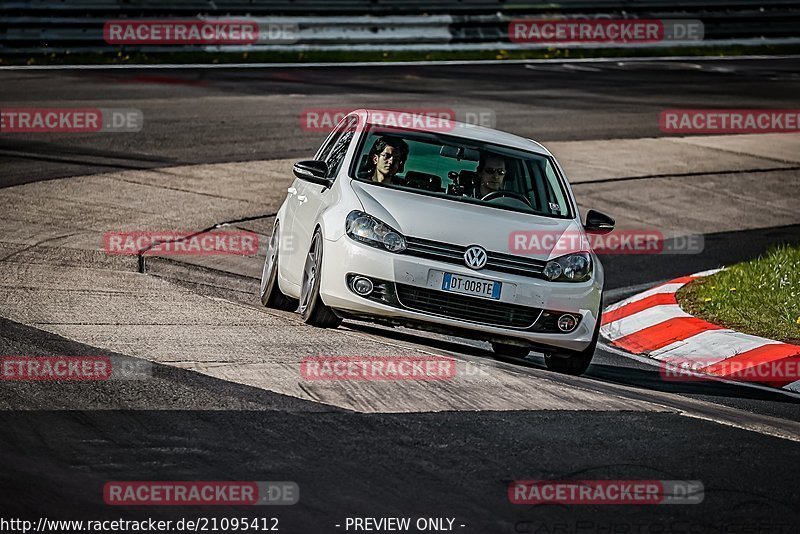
[(362, 286), (567, 322)]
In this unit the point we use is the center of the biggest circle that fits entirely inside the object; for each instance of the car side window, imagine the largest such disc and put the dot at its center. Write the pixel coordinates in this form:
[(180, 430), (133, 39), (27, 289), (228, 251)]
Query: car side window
[(324, 152), (335, 156)]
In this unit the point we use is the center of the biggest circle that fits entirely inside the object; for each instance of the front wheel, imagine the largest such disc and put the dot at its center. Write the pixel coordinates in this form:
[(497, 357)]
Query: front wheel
[(312, 310), (271, 295)]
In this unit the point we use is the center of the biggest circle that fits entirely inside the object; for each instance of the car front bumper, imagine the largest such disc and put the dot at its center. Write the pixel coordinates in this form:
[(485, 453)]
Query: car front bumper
[(344, 257)]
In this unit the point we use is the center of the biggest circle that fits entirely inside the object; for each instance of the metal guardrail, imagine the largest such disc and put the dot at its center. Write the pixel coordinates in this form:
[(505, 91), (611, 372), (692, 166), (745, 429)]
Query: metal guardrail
[(364, 7), (74, 26)]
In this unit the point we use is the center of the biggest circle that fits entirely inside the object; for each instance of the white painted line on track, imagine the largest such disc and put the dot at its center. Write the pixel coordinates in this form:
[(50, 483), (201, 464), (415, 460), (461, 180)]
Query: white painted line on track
[(394, 63), (727, 344)]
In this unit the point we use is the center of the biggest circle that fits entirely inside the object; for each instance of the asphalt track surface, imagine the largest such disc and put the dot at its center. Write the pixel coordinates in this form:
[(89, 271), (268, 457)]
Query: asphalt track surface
[(183, 425)]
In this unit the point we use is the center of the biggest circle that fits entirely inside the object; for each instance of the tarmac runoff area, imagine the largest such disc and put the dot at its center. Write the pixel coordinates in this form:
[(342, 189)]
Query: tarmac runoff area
[(201, 313)]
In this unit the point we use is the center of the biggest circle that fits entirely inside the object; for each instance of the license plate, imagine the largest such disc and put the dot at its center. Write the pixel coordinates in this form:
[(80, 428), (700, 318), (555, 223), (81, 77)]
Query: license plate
[(466, 285)]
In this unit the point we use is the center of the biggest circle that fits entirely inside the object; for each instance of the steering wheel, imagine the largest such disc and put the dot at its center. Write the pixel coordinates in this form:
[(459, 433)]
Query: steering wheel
[(499, 194)]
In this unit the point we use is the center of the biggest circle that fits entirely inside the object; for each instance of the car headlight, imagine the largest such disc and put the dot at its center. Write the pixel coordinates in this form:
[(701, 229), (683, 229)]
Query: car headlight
[(575, 267), (373, 232)]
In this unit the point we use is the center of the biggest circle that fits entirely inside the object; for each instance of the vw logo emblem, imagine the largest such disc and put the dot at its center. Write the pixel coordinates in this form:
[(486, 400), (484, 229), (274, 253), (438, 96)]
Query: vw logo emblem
[(475, 257)]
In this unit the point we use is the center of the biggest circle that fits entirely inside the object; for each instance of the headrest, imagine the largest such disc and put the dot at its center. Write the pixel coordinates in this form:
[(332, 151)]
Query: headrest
[(423, 180)]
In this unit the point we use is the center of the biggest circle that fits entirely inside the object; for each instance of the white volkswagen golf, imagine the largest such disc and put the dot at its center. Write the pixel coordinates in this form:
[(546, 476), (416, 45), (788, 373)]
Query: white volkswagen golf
[(441, 226)]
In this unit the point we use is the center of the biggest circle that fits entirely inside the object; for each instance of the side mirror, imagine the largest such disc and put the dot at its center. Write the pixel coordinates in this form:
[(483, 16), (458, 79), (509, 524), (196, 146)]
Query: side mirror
[(598, 223), (313, 171)]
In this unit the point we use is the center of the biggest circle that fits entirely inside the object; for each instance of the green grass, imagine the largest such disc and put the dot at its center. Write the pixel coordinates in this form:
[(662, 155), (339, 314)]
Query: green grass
[(759, 297), (112, 56)]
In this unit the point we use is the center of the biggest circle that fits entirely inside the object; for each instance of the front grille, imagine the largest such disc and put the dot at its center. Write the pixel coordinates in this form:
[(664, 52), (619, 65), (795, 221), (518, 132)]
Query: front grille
[(466, 308), (507, 263)]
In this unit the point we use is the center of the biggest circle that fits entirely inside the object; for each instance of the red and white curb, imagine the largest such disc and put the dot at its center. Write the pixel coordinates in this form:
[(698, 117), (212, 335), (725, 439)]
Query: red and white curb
[(652, 324)]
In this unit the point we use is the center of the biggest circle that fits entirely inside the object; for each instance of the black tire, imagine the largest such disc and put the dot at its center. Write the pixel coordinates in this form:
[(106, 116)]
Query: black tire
[(312, 310), (513, 351), (271, 295), (573, 362)]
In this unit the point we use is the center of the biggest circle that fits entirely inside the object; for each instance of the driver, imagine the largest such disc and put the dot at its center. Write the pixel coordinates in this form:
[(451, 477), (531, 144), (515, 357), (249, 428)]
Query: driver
[(491, 173)]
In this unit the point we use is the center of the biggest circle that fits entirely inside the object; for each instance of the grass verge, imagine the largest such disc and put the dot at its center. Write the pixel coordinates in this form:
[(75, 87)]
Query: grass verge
[(759, 297)]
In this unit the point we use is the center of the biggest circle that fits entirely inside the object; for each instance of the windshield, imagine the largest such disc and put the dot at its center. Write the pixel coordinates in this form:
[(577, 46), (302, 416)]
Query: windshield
[(461, 169)]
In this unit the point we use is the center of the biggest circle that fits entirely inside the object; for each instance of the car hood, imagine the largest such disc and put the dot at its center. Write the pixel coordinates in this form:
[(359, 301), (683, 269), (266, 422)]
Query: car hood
[(459, 223)]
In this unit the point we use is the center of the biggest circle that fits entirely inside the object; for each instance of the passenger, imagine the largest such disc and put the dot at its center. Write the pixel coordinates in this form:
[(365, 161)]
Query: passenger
[(491, 174), (386, 159)]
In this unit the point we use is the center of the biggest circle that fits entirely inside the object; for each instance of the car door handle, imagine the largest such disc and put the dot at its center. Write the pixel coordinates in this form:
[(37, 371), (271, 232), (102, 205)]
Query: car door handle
[(292, 191), (302, 198)]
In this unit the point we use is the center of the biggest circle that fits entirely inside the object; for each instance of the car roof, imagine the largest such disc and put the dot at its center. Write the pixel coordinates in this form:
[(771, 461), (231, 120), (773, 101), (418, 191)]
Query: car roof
[(460, 129)]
